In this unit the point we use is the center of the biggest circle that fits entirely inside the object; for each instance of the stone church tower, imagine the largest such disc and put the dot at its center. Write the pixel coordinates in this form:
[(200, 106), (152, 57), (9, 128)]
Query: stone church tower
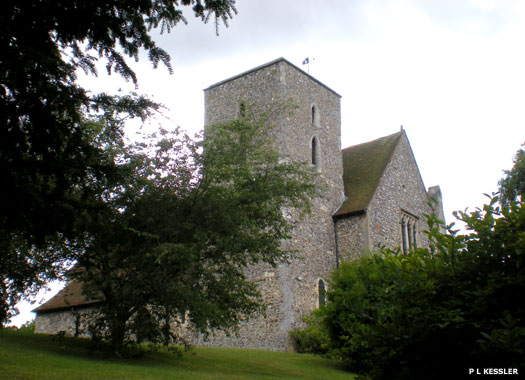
[(372, 194), (310, 133)]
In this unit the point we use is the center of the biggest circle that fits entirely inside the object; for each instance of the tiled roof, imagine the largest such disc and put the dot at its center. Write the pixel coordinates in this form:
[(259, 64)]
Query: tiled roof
[(363, 166), (68, 297)]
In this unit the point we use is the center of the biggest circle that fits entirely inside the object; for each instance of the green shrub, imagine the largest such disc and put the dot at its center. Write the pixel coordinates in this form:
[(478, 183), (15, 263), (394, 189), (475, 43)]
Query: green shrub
[(28, 327), (434, 313), (312, 339)]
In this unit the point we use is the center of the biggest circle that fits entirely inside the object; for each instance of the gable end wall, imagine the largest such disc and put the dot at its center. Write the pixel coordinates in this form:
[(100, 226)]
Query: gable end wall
[(400, 189)]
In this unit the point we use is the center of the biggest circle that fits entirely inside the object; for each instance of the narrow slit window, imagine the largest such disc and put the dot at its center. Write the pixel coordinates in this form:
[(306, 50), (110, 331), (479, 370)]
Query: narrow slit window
[(404, 236), (321, 289), (315, 115), (242, 109), (314, 152), (409, 230)]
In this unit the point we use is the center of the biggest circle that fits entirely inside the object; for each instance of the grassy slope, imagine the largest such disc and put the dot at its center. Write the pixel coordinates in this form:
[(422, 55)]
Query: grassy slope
[(28, 356)]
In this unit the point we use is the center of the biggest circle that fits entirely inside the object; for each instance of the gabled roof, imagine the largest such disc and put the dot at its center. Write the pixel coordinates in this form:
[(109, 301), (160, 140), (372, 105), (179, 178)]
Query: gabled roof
[(274, 62), (363, 166), (68, 297)]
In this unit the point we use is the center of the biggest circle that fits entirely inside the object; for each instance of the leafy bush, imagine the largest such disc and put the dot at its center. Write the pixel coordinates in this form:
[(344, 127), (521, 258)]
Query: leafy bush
[(314, 338), (28, 327), (434, 313)]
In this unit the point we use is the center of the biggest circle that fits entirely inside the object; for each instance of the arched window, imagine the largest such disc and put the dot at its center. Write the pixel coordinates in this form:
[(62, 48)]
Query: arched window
[(315, 115), (408, 231), (321, 292), (404, 235), (315, 152)]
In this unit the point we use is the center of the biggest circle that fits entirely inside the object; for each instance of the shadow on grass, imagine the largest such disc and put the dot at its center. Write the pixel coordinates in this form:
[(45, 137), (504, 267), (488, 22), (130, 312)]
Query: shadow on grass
[(60, 357), (84, 348)]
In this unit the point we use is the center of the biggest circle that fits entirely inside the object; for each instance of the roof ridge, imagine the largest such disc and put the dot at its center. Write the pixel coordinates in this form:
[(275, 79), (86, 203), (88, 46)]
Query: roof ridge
[(399, 134), (273, 62)]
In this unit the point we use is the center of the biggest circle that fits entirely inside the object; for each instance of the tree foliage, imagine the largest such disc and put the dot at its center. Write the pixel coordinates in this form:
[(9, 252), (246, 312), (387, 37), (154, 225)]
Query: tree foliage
[(175, 243), (52, 167), (512, 186), (434, 313)]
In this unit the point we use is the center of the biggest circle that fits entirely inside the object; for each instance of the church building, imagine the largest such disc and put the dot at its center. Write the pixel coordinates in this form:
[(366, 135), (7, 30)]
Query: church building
[(373, 195)]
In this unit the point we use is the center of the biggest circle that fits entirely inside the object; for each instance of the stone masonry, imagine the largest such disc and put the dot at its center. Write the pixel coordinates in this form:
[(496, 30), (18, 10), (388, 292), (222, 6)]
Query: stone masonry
[(291, 289), (373, 194), (400, 191)]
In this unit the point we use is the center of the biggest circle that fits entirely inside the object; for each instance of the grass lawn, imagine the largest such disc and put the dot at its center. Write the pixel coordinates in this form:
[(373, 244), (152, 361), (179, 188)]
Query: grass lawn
[(27, 356)]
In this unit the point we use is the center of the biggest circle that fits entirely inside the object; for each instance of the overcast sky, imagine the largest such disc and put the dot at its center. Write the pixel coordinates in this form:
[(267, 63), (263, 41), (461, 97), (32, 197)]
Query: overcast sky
[(452, 72)]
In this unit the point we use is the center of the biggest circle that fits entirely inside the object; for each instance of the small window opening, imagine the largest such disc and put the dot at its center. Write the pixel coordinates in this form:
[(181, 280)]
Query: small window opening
[(321, 289), (409, 230), (404, 236), (315, 115), (314, 152), (242, 109)]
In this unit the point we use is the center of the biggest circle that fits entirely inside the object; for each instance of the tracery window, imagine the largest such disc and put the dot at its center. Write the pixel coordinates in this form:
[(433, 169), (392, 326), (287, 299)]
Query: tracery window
[(408, 224)]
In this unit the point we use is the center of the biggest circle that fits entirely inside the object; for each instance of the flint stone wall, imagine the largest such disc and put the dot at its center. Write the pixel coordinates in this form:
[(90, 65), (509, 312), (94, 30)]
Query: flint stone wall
[(352, 236), (290, 290), (400, 190), (69, 322)]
